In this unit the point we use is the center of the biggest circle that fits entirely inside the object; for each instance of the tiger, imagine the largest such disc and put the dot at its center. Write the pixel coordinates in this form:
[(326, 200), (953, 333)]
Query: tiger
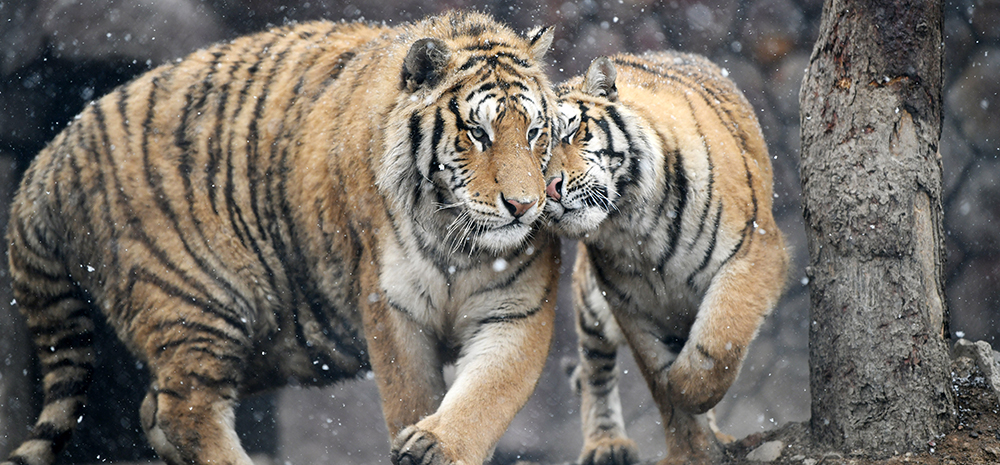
[(662, 174), (306, 204)]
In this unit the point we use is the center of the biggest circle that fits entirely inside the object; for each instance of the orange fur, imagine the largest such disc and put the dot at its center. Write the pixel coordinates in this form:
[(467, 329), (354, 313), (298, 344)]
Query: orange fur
[(663, 175), (306, 203)]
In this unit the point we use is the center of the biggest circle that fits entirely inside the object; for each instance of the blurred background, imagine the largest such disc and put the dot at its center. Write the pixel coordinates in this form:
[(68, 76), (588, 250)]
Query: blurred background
[(57, 54)]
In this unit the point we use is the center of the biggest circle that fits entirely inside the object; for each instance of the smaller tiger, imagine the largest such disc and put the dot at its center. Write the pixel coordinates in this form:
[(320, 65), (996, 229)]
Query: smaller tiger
[(663, 174)]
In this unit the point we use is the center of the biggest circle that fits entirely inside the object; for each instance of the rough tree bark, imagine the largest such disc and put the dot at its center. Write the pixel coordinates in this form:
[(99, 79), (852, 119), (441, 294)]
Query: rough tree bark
[(871, 182)]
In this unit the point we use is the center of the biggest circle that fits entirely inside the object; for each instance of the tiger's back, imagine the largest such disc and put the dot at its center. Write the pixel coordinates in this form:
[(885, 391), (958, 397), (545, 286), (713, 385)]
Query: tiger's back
[(664, 175), (169, 184), (238, 217)]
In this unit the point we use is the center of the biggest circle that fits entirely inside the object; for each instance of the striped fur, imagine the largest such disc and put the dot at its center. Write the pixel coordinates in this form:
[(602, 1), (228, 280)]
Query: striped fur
[(663, 174), (306, 203)]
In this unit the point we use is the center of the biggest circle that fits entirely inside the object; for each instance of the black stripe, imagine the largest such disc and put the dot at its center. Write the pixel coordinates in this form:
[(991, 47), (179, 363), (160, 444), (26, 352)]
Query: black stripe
[(254, 172), (511, 317), (674, 343), (665, 366), (704, 352), (214, 382), (171, 393), (399, 308), (156, 182), (594, 331), (217, 155), (711, 247), (510, 279), (603, 279), (67, 388), (240, 222), (111, 258), (597, 354), (416, 138), (73, 341), (136, 225), (338, 68), (69, 362), (234, 360), (183, 341), (307, 297), (680, 187), (46, 301), (191, 327), (49, 432), (194, 115), (210, 307)]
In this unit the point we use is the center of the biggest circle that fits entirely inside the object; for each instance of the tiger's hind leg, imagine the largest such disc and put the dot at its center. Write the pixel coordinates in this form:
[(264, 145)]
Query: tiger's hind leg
[(60, 320), (596, 376), (195, 362)]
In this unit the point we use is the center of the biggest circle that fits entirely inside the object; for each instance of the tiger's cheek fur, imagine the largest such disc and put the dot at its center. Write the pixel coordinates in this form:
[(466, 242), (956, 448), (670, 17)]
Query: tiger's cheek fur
[(573, 180)]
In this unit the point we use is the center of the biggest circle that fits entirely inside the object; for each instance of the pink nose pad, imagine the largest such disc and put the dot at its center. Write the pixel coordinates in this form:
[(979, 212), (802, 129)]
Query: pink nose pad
[(552, 190), (517, 208)]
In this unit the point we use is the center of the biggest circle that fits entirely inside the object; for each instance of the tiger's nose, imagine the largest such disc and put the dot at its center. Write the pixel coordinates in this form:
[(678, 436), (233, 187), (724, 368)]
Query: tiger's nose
[(517, 207), (552, 190)]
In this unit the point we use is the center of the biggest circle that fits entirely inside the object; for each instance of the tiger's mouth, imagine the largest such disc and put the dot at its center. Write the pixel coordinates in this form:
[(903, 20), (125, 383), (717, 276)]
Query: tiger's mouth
[(496, 233), (574, 223), (571, 217), (504, 238)]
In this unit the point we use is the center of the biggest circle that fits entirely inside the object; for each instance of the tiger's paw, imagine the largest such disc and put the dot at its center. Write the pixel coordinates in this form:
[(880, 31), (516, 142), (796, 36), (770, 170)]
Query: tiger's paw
[(707, 455), (609, 451), (697, 383), (414, 446)]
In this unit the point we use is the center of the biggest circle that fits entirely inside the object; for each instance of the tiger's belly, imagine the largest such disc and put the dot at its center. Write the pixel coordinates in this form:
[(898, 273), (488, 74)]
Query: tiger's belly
[(313, 336), (302, 351), (661, 299)]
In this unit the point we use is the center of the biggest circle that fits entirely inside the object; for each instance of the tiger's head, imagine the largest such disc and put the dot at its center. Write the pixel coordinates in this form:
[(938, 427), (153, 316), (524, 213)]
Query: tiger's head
[(478, 113), (603, 161)]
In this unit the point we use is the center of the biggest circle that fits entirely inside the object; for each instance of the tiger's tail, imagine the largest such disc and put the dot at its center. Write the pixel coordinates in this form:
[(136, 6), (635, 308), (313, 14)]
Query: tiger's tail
[(60, 320)]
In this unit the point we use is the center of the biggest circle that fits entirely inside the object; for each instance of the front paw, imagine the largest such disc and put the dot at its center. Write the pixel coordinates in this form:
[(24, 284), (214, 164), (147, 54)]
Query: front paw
[(414, 446), (697, 382), (610, 451)]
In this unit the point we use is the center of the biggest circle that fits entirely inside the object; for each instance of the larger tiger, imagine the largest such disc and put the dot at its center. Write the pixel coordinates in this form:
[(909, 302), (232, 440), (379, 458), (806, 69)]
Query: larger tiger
[(663, 173), (306, 203)]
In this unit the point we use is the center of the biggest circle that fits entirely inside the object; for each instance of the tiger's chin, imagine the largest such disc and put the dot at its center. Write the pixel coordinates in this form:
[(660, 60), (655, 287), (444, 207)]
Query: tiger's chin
[(504, 238), (574, 223)]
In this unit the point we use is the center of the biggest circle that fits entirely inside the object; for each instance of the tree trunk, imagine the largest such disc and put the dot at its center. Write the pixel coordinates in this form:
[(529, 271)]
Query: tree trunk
[(871, 182)]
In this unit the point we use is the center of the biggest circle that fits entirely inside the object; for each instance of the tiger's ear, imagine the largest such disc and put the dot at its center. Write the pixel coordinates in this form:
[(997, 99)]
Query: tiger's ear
[(424, 64), (540, 39), (600, 80)]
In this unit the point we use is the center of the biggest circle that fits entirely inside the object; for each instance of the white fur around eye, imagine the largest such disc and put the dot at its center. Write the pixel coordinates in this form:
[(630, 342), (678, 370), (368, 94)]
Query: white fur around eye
[(480, 137), (569, 120)]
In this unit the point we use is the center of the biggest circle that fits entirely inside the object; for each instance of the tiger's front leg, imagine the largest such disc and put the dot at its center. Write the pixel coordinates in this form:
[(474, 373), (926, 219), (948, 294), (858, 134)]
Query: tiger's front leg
[(408, 370), (497, 371), (742, 293), (496, 374), (689, 436), (596, 376)]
